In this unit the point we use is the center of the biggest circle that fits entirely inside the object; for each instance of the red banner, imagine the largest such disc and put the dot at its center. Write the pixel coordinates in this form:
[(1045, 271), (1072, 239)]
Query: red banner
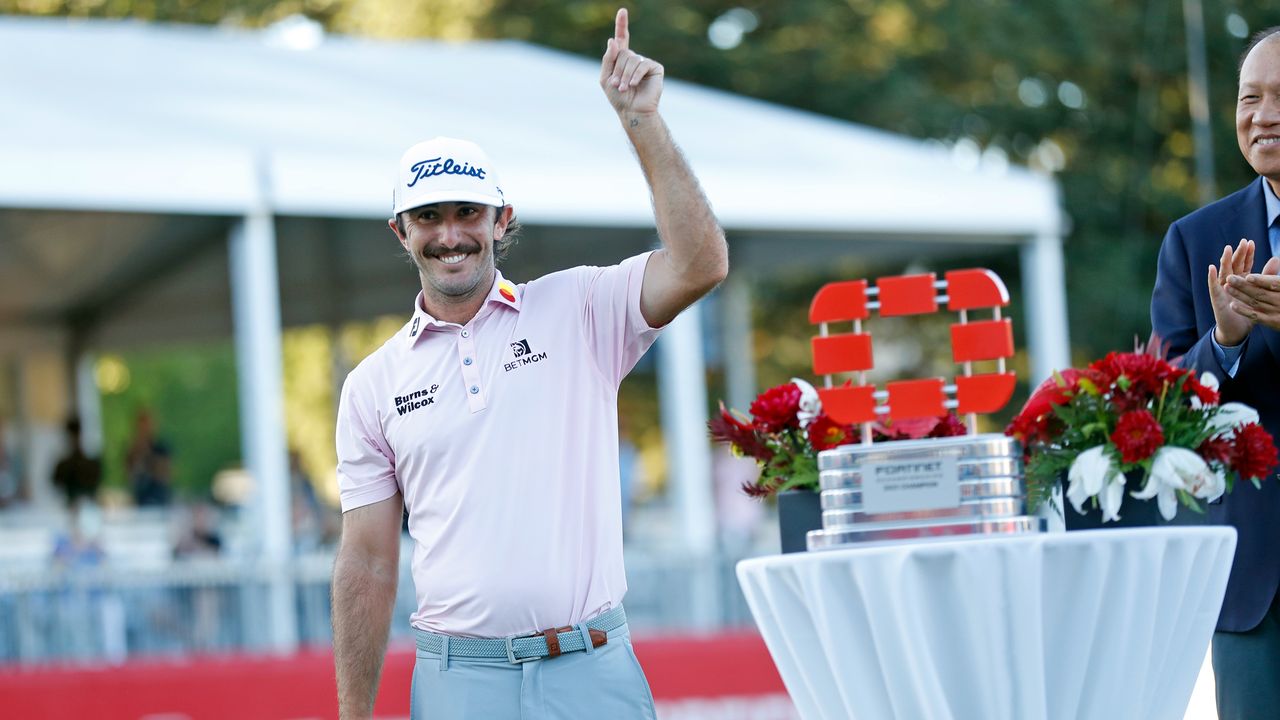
[(681, 671)]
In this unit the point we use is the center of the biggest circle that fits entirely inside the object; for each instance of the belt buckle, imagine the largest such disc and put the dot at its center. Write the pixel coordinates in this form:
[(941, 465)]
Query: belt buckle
[(511, 650)]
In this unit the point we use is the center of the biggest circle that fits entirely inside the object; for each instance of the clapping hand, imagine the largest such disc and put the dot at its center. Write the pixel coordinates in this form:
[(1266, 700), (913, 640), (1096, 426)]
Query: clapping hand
[(1256, 296), (1232, 326)]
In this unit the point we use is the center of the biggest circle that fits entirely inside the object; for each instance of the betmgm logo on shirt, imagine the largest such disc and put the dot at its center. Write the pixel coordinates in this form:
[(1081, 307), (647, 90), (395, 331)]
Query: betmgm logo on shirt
[(524, 355)]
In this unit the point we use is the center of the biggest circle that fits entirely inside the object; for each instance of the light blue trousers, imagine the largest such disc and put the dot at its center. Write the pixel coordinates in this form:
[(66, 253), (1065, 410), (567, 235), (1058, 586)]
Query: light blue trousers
[(603, 682)]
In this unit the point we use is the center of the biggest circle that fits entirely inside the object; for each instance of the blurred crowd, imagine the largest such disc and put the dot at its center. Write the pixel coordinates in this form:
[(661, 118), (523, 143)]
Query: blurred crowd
[(104, 573), (196, 522)]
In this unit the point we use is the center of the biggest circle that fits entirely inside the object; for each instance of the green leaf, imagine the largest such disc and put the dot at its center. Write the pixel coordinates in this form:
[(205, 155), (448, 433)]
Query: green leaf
[(1189, 500), (1094, 428)]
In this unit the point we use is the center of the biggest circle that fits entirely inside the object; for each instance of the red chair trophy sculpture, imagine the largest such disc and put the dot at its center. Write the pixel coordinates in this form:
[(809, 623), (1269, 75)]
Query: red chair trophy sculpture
[(913, 489)]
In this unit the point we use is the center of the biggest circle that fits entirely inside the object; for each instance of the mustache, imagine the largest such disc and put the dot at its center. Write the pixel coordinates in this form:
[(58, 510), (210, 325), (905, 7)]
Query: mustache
[(438, 250)]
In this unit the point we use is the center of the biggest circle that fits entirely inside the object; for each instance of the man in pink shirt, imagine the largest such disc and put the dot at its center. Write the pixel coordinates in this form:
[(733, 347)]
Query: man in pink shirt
[(491, 418)]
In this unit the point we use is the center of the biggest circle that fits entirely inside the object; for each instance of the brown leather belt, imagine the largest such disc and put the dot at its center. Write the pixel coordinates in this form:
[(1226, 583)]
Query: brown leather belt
[(548, 643)]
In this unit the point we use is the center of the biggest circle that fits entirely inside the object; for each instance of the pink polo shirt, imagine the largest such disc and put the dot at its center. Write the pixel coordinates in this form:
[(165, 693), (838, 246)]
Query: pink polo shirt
[(502, 435)]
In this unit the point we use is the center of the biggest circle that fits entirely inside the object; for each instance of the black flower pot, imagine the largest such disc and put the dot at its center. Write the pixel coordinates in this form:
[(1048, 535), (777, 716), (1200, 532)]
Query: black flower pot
[(799, 511), (1133, 512)]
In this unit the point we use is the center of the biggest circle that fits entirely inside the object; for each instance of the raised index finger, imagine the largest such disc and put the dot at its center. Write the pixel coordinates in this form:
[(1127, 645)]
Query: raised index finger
[(620, 33)]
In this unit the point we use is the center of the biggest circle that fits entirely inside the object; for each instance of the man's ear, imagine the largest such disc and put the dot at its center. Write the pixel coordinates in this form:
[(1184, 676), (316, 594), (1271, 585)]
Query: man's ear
[(395, 230), (502, 220)]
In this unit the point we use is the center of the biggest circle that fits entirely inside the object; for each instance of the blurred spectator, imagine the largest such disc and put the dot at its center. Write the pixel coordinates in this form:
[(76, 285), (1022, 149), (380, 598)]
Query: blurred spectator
[(85, 620), (308, 511), (201, 538), (198, 611), (10, 474), (148, 464), (77, 475), (738, 514), (78, 547)]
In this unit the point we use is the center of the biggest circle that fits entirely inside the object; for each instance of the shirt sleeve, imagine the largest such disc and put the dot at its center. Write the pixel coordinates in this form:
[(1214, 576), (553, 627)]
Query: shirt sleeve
[(616, 329), (1228, 357), (366, 464)]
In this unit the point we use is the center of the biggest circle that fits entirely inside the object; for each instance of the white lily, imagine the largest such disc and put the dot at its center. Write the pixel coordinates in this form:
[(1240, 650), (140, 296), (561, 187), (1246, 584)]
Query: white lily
[(1208, 380), (810, 405), (1231, 416), (1111, 496), (1197, 477), (1095, 473), (1212, 490), (1174, 469)]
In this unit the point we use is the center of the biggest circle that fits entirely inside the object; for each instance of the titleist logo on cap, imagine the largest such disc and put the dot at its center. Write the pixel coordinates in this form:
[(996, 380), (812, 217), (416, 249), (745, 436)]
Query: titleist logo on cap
[(432, 167)]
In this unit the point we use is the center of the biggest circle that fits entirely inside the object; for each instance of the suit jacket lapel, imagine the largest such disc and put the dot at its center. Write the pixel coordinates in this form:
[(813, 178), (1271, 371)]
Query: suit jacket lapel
[(1248, 219)]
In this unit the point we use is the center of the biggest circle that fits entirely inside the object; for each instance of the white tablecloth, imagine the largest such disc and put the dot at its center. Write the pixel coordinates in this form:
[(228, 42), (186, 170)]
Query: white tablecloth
[(1105, 624)]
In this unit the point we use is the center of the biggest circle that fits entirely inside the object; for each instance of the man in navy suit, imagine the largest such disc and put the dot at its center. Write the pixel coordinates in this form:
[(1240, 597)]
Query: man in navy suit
[(1225, 319)]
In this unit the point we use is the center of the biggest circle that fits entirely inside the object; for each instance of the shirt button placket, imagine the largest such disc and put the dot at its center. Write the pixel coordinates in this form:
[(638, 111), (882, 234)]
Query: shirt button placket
[(470, 370)]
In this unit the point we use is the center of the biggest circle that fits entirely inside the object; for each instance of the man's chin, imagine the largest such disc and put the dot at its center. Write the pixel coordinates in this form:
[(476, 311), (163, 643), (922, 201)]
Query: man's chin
[(1266, 162), (455, 287)]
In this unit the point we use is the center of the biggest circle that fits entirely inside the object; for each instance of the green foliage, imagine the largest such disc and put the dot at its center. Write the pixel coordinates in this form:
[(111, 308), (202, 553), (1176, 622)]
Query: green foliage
[(795, 464), (248, 12), (191, 395), (992, 72)]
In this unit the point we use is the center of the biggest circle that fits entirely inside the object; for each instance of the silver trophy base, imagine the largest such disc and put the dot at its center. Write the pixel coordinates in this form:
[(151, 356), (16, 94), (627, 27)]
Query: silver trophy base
[(987, 469), (848, 535)]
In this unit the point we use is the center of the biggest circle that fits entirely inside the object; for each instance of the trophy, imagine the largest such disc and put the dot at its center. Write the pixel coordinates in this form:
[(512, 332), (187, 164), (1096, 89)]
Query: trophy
[(911, 489)]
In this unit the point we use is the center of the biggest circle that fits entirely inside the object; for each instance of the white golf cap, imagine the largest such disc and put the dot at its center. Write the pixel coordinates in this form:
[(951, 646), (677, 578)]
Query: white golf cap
[(445, 170)]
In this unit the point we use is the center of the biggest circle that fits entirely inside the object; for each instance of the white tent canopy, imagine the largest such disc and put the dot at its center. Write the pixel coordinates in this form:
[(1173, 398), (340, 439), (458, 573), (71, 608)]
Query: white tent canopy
[(171, 122), (128, 116), (128, 150)]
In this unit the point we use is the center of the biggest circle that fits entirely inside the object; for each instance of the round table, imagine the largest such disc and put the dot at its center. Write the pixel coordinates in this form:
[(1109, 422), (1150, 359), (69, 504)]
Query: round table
[(1094, 624)]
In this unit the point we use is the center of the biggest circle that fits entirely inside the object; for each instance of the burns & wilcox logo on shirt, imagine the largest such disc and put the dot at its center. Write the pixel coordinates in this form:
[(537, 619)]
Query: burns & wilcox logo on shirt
[(524, 355), (417, 399)]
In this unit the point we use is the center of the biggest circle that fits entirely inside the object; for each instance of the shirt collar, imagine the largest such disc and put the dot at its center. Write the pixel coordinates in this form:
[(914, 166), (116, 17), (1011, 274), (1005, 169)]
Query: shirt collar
[(503, 292), (1273, 203)]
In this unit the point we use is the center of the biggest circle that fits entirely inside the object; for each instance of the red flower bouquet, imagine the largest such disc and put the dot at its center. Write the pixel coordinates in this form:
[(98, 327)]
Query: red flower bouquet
[(787, 428), (1136, 415)]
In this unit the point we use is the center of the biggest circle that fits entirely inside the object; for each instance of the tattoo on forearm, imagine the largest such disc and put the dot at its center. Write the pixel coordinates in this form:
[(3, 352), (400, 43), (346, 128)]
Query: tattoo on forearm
[(635, 122)]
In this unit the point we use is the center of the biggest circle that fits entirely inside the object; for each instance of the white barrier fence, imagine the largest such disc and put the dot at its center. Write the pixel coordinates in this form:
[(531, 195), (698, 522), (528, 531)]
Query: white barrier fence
[(107, 613)]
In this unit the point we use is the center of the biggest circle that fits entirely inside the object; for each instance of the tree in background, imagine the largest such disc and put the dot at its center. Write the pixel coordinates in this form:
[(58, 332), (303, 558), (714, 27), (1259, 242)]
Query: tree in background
[(1092, 90), (190, 392)]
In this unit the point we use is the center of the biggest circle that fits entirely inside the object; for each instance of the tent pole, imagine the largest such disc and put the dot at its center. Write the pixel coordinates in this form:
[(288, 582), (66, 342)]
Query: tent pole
[(682, 398), (1045, 293), (737, 347), (255, 294)]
